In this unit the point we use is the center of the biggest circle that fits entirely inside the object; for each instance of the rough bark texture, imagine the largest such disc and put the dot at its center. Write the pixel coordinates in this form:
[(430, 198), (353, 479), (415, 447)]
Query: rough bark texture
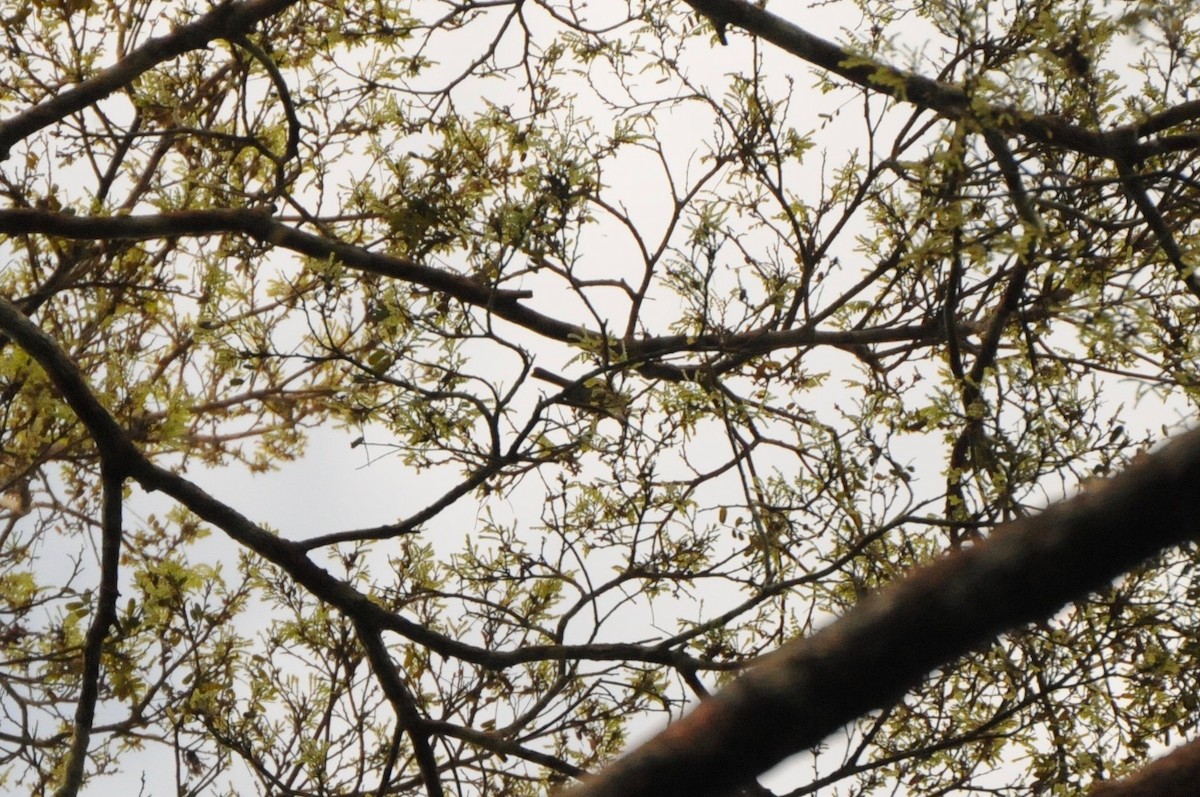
[(1173, 775)]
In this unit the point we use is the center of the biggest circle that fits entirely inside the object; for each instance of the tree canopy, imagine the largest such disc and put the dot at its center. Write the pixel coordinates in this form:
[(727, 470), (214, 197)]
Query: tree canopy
[(686, 331)]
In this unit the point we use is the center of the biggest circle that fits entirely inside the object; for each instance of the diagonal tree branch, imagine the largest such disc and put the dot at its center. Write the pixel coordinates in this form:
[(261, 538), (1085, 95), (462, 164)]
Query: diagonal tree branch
[(228, 20), (1025, 572), (496, 742), (1136, 191), (405, 706), (948, 100)]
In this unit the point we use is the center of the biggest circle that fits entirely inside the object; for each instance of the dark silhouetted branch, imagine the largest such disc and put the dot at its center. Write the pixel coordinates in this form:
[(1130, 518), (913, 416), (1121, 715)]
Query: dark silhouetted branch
[(102, 621), (1174, 775), (227, 21), (948, 100)]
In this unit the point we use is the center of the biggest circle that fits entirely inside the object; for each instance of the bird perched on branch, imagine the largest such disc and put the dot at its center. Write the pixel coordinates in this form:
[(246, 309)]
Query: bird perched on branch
[(595, 394)]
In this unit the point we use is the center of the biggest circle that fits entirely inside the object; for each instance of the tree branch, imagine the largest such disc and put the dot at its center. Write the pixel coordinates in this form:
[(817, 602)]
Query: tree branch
[(1174, 775), (1134, 189), (228, 20), (291, 556), (501, 302), (947, 100), (403, 704), (113, 480), (1025, 572)]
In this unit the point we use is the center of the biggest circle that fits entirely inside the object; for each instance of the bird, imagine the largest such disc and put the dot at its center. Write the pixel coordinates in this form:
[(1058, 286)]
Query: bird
[(594, 395)]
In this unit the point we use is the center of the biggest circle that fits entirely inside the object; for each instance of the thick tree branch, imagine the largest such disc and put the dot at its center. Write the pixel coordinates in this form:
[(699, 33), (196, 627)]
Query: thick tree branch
[(1025, 572), (227, 21), (1174, 775), (114, 445), (949, 101)]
